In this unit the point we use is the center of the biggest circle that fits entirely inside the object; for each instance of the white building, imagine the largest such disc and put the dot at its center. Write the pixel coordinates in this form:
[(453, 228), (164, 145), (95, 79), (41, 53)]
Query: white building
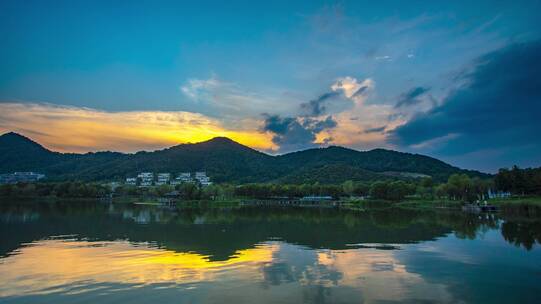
[(202, 178), (132, 181), (183, 177), (20, 177), (498, 194), (146, 178), (163, 179)]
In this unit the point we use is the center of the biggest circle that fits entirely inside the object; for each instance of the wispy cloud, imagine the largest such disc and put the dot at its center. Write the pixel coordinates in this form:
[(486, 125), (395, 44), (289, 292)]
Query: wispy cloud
[(375, 130), (231, 101), (411, 97), (316, 107)]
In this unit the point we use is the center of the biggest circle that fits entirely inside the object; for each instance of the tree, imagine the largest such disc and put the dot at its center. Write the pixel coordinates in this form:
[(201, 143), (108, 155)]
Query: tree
[(189, 191), (519, 181), (348, 187), (441, 191), (362, 189), (161, 190), (379, 190), (459, 186), (427, 182)]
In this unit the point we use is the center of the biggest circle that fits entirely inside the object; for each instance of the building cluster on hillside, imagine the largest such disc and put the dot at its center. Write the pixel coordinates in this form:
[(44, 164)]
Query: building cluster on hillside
[(20, 177), (147, 179)]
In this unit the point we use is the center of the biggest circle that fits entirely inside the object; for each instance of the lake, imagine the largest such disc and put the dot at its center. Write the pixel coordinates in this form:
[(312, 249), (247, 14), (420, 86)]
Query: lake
[(107, 253)]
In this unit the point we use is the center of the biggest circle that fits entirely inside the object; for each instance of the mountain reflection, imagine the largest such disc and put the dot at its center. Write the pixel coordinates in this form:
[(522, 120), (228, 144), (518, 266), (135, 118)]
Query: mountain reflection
[(220, 233), (60, 252)]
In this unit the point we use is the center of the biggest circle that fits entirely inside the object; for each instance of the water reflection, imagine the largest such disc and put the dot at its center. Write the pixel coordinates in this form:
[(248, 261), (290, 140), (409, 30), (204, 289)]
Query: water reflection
[(70, 267), (49, 266), (522, 233), (67, 253)]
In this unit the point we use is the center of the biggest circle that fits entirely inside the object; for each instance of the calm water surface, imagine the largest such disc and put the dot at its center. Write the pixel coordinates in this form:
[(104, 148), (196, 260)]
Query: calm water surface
[(73, 253)]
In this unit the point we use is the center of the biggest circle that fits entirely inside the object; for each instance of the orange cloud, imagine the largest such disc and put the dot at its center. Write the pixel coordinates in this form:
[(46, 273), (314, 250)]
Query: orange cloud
[(72, 129)]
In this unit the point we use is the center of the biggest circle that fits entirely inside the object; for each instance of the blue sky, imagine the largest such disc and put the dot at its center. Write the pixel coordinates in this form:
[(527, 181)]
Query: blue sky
[(244, 67)]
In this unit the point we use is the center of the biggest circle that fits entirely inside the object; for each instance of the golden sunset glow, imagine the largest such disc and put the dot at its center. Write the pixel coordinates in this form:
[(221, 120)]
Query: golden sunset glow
[(70, 129)]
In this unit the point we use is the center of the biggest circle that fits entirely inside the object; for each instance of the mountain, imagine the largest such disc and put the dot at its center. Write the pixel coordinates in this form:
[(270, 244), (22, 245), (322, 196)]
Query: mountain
[(378, 160), (19, 153), (225, 161)]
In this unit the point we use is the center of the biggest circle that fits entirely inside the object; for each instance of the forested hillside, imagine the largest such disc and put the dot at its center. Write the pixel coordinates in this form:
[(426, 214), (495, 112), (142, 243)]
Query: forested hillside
[(224, 160)]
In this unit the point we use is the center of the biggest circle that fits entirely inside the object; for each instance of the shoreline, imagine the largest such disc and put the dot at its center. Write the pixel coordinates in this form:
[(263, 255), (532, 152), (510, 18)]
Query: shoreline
[(411, 203)]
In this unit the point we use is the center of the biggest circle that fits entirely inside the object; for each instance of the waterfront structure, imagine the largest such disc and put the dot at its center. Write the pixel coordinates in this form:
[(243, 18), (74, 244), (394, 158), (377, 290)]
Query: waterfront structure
[(314, 198), (20, 177)]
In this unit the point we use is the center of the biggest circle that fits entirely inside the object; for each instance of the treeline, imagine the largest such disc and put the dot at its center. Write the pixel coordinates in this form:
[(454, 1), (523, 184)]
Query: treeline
[(462, 187), (61, 189), (80, 189), (519, 181), (187, 191), (387, 190), (457, 187)]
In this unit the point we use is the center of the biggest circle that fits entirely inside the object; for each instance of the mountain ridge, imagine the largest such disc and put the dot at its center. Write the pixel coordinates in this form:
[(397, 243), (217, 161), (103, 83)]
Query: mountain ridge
[(224, 160)]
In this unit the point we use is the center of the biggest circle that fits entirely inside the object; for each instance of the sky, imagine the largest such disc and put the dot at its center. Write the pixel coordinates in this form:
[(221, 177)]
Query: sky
[(455, 80)]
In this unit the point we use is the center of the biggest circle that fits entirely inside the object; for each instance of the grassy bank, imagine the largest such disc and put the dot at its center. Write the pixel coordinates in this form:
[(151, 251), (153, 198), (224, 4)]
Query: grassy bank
[(45, 199), (420, 203), (506, 204), (518, 200), (409, 203), (429, 204)]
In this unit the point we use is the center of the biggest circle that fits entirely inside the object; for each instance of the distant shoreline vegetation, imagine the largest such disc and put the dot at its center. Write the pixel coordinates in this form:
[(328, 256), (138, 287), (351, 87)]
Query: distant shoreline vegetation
[(423, 192)]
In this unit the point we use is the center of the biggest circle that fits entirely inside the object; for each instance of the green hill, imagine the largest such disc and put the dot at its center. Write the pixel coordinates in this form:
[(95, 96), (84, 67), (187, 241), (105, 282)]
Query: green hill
[(224, 161)]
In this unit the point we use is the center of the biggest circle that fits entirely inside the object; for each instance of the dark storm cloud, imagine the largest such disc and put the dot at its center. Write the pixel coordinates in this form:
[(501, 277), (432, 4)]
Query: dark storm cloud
[(299, 132), (317, 106), (277, 124), (319, 125), (411, 97), (293, 133), (497, 108)]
